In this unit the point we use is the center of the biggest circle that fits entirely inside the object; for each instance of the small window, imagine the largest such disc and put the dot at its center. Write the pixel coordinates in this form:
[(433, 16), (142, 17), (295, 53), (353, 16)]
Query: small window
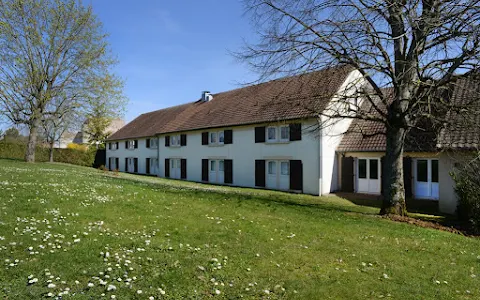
[(422, 170), (285, 168), (373, 168), (221, 137), (213, 166), (362, 168), (213, 137), (272, 168), (434, 170), (154, 143), (131, 144), (175, 140), (221, 165), (285, 133), (271, 133)]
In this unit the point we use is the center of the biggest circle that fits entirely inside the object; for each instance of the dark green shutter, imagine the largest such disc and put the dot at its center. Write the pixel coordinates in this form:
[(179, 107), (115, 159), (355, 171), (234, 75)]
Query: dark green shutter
[(204, 138), (296, 175), (260, 173), (260, 134), (228, 167), (167, 141), (167, 167), (204, 169), (228, 135), (348, 174), (183, 140), (183, 168), (295, 132)]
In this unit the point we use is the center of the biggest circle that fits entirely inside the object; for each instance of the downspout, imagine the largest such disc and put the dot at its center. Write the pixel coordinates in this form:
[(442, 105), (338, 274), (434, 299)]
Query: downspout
[(158, 155), (320, 164)]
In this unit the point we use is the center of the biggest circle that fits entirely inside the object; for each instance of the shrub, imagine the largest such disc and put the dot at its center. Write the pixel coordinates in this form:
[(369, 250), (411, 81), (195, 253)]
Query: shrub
[(79, 147), (467, 187)]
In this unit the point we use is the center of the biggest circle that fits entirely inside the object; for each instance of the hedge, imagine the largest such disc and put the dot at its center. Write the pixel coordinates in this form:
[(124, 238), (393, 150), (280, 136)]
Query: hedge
[(16, 150)]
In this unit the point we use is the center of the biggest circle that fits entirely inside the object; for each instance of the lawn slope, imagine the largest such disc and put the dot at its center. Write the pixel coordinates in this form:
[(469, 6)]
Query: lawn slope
[(80, 233)]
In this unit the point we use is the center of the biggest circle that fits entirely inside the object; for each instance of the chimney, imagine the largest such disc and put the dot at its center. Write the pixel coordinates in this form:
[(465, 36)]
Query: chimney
[(206, 96)]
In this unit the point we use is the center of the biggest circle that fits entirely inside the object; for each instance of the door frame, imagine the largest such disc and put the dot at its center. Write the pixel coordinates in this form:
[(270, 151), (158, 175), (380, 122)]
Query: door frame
[(367, 178), (429, 183)]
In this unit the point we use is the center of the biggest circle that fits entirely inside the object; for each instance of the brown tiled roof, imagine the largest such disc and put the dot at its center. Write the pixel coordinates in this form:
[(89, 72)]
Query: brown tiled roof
[(287, 98), (462, 132)]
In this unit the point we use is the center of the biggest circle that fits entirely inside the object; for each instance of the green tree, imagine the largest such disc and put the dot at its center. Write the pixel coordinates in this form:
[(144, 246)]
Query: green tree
[(12, 133), (54, 57), (416, 47)]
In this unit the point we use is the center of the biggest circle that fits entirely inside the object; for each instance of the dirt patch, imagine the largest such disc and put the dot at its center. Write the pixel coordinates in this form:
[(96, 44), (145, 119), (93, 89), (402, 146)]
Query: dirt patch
[(425, 224)]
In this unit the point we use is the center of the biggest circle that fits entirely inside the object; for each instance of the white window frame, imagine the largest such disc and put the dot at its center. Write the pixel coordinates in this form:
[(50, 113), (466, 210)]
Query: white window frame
[(271, 140), (217, 135), (273, 163), (131, 144), (114, 146), (287, 127), (175, 140), (154, 143), (288, 167)]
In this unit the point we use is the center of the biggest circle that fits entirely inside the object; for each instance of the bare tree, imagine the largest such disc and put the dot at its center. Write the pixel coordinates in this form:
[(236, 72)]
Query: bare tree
[(415, 47), (53, 54)]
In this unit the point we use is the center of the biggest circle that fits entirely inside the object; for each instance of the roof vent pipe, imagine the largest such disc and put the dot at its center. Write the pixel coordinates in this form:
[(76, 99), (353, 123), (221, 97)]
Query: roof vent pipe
[(206, 96)]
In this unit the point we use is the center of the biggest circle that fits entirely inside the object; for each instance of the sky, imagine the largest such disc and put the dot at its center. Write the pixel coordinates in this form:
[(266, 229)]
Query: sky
[(171, 51)]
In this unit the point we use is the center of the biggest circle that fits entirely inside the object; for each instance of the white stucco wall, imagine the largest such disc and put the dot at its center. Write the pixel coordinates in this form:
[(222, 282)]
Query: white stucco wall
[(447, 202), (142, 153), (244, 151)]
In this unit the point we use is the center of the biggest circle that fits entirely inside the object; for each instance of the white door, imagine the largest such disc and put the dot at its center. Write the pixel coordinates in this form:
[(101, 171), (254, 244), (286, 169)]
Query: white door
[(368, 176), (216, 171), (175, 168), (130, 165), (426, 179), (278, 174), (271, 178), (154, 166)]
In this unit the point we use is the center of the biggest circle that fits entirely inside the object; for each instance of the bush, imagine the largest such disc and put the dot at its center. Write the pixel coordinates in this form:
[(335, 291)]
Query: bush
[(81, 156), (79, 147), (467, 187)]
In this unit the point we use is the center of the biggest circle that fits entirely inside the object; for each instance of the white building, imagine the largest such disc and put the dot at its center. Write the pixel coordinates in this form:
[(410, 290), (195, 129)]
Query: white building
[(268, 136)]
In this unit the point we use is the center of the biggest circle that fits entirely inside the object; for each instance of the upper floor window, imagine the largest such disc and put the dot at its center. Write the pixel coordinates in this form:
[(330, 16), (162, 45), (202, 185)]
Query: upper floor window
[(175, 140), (152, 143), (278, 133), (217, 138), (131, 144), (113, 146)]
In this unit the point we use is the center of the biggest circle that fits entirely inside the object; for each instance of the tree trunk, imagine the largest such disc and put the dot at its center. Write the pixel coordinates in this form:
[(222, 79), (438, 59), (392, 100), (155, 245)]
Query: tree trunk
[(393, 185), (32, 141), (51, 151)]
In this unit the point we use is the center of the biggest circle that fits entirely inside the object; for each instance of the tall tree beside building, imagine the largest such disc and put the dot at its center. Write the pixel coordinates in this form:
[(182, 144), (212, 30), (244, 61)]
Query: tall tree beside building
[(54, 56), (414, 46)]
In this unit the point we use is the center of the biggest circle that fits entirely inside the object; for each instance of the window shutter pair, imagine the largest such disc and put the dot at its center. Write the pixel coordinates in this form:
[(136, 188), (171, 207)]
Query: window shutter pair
[(147, 165), (135, 165), (148, 143), (183, 168), (228, 168), (205, 169), (167, 167), (167, 141), (126, 164), (296, 174), (183, 140)]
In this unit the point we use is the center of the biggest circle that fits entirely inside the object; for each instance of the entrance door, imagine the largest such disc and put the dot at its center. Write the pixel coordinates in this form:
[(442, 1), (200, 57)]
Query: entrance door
[(426, 179), (368, 176), (216, 171), (175, 168), (278, 174)]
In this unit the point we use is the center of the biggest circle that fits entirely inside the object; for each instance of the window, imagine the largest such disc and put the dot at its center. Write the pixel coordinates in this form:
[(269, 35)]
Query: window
[(154, 143), (175, 140), (272, 167), (131, 144), (221, 137), (434, 170), (271, 134), (113, 146), (373, 168), (217, 138), (213, 166), (362, 168), (422, 170), (284, 133), (213, 137), (285, 168), (221, 165)]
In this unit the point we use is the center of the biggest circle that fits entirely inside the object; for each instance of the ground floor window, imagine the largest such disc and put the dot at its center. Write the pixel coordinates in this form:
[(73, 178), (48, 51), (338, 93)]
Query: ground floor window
[(368, 176), (278, 174), (175, 168), (131, 164), (426, 178)]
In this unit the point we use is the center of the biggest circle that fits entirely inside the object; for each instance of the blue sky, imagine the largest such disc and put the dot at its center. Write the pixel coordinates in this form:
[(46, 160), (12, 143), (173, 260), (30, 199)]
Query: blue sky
[(170, 51)]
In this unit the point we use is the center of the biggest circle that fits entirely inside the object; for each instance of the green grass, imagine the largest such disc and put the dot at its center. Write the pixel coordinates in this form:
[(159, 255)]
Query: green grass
[(173, 239)]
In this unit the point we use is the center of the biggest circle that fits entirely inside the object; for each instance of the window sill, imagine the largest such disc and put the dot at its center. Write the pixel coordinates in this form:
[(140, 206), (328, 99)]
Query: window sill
[(216, 145), (174, 146), (277, 142)]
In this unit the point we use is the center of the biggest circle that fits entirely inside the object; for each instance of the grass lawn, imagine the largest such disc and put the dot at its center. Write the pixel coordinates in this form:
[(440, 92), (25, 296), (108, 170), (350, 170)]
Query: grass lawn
[(85, 234)]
